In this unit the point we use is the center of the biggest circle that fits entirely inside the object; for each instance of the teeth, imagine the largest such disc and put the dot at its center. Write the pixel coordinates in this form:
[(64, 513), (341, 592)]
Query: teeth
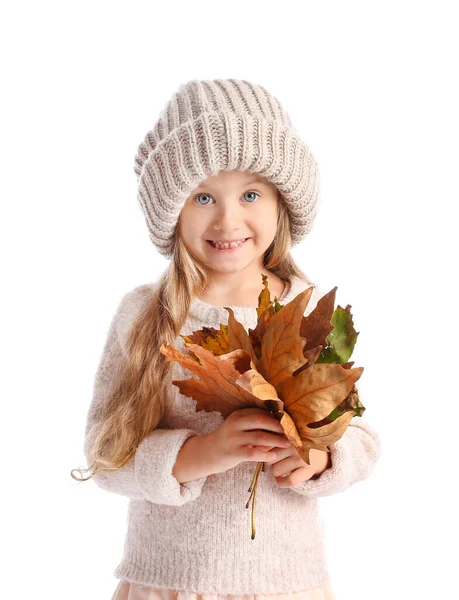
[(226, 245)]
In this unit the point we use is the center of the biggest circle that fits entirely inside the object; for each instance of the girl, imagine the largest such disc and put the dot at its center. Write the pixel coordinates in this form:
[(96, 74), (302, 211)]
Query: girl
[(226, 187)]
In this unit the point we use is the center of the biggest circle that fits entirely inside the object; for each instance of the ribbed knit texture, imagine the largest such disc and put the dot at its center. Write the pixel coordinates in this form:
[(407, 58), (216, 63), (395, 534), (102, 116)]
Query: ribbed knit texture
[(222, 124), (196, 536)]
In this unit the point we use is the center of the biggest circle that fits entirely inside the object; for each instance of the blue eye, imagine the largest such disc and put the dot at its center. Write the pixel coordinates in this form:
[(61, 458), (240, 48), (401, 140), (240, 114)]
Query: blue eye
[(201, 195), (209, 196), (256, 194)]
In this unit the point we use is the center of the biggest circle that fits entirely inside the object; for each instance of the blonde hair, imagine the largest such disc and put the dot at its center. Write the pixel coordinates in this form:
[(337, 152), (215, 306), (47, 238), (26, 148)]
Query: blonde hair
[(136, 406)]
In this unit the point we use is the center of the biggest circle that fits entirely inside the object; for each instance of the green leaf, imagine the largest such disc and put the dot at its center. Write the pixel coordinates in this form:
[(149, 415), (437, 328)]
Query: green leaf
[(341, 339)]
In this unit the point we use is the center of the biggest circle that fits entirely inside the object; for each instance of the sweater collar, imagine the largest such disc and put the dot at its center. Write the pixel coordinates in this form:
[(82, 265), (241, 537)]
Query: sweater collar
[(207, 313)]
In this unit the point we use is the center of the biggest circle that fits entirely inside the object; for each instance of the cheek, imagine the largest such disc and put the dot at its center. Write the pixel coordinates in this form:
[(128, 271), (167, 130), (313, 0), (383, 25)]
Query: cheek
[(191, 225), (266, 224)]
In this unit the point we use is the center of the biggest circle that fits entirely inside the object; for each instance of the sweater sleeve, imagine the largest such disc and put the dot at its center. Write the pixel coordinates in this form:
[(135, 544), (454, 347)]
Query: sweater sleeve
[(353, 458), (148, 473)]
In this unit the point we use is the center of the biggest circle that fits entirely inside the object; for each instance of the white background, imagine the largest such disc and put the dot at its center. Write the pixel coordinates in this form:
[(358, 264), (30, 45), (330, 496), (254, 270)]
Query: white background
[(372, 89)]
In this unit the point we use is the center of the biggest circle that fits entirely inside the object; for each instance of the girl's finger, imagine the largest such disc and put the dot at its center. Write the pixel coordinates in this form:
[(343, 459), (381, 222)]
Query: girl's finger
[(283, 467)]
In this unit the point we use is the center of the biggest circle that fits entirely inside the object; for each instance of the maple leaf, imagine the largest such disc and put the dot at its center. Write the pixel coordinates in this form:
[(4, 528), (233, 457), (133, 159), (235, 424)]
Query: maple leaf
[(292, 365), (228, 382), (215, 340)]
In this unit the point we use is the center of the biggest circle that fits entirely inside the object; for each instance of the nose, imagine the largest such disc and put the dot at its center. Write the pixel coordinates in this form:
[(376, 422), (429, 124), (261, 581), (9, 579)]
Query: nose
[(227, 219)]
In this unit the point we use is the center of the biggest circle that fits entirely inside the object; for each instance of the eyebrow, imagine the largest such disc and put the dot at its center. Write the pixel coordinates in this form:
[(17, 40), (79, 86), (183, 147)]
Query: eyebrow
[(257, 180), (249, 182)]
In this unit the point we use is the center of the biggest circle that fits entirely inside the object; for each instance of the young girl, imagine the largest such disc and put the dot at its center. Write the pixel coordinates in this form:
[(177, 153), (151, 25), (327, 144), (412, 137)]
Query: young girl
[(226, 187)]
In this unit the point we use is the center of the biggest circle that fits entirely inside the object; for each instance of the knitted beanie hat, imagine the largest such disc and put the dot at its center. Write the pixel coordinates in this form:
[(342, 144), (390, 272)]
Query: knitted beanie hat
[(222, 124)]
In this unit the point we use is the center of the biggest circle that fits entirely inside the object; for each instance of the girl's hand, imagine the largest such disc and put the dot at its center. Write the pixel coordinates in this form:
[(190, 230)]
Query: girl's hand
[(289, 461), (247, 434)]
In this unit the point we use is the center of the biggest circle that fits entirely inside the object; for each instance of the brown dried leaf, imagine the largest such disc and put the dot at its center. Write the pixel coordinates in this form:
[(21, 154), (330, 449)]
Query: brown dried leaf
[(222, 386), (264, 299), (273, 367), (256, 335), (311, 396), (215, 340), (317, 325), (282, 346), (237, 335)]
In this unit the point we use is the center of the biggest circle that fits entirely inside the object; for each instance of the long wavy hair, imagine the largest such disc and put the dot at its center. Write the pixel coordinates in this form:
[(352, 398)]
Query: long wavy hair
[(136, 405)]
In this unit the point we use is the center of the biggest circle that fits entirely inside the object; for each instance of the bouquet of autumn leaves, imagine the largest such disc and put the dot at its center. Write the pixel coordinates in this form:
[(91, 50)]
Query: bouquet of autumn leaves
[(293, 366)]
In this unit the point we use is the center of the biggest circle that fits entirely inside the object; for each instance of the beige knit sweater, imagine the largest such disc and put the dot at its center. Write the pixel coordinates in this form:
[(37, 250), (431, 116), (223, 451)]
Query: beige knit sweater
[(195, 536)]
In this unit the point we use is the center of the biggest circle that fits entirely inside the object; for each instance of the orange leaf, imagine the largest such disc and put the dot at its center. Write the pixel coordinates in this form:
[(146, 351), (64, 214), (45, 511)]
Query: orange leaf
[(218, 388), (264, 299), (282, 346), (273, 367), (215, 340), (312, 395), (237, 335)]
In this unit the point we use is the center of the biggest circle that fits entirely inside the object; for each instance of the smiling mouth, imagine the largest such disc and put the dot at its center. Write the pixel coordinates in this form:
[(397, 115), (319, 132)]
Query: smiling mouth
[(227, 245)]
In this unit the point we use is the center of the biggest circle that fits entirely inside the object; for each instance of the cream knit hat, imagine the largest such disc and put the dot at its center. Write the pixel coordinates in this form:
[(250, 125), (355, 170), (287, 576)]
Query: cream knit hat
[(222, 124)]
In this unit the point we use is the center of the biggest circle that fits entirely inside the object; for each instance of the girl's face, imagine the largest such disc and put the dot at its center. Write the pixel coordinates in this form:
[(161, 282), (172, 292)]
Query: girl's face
[(230, 206)]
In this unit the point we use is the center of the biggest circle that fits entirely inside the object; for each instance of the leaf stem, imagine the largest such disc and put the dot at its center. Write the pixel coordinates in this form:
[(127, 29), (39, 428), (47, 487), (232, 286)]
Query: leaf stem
[(253, 488), (253, 514), (253, 479)]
